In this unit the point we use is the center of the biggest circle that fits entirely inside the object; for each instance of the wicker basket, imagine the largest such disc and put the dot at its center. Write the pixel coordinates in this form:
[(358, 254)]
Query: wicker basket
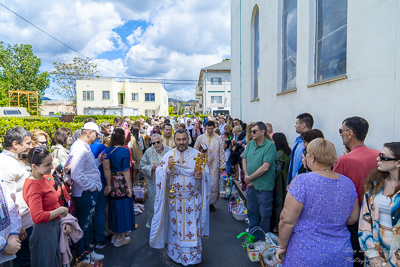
[(237, 216), (273, 263)]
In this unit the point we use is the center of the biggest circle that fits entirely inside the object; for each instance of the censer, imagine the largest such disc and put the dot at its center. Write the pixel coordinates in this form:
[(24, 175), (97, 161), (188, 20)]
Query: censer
[(172, 190)]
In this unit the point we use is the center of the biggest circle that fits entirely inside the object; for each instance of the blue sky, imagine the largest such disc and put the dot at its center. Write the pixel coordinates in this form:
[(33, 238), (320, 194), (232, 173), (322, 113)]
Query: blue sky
[(124, 31), (171, 39)]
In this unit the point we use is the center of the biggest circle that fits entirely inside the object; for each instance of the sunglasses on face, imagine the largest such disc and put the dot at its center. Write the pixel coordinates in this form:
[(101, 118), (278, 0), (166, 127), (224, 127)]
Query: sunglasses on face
[(255, 131), (341, 130), (383, 158), (157, 142)]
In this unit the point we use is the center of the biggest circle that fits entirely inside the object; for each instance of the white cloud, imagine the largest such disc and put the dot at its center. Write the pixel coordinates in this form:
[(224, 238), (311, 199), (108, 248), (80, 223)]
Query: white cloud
[(84, 26), (111, 68), (134, 38), (182, 36), (185, 94), (136, 9)]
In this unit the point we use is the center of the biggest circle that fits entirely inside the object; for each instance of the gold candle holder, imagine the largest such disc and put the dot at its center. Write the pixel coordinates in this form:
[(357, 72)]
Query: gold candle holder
[(201, 161)]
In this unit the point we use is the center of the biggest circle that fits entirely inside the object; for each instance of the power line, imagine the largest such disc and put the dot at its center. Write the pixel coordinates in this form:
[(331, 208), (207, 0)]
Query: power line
[(132, 78), (51, 36)]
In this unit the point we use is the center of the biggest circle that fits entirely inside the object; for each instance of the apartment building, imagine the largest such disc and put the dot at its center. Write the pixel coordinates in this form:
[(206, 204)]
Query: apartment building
[(214, 87), (148, 97)]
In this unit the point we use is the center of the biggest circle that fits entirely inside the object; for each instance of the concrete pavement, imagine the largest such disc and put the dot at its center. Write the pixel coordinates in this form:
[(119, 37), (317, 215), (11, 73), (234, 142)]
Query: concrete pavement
[(221, 249)]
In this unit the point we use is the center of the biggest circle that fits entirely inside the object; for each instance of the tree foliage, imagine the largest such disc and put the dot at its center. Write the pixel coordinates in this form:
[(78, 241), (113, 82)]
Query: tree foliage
[(66, 75), (20, 71)]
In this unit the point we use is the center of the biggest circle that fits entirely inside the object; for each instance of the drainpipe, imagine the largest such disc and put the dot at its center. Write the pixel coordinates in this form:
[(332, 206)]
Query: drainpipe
[(205, 92), (240, 58)]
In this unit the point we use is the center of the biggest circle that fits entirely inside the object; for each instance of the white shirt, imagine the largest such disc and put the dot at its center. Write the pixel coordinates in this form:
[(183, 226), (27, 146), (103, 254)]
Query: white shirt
[(149, 129), (189, 127), (10, 221), (84, 169), (13, 175), (141, 141), (221, 128), (385, 217)]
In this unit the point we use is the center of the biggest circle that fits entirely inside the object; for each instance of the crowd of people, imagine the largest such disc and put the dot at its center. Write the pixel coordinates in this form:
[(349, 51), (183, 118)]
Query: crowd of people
[(327, 210)]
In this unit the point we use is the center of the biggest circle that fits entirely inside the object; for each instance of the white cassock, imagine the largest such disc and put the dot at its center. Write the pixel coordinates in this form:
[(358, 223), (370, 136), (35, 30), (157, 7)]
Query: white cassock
[(180, 224), (150, 158)]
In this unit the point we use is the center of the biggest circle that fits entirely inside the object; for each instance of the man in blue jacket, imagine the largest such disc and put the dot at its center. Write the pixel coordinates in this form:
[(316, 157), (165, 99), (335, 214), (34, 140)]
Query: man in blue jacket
[(304, 123)]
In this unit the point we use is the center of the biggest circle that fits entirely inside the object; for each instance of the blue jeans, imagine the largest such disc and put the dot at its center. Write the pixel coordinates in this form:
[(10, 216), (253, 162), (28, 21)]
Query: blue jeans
[(23, 258), (97, 228), (259, 210), (84, 209), (228, 168)]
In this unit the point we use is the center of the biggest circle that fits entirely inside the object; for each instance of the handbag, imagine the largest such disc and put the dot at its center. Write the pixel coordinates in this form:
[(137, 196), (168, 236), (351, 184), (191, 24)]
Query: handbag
[(119, 186)]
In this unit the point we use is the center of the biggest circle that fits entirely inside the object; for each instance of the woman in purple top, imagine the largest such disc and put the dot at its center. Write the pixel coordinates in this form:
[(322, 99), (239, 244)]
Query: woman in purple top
[(318, 205)]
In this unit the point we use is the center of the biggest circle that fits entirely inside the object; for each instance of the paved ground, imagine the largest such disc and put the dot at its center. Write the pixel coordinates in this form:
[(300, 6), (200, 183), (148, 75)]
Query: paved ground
[(221, 249)]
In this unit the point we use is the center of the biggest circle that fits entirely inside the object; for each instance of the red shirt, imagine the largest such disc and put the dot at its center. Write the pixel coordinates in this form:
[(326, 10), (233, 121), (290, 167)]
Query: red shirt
[(41, 198), (357, 165)]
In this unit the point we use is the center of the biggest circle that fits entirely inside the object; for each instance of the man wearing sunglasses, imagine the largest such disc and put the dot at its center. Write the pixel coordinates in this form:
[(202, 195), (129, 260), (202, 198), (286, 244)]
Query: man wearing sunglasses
[(357, 164), (87, 184), (259, 170), (148, 165)]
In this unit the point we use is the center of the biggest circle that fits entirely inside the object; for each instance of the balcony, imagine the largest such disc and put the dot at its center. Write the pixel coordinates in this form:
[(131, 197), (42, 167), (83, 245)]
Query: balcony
[(199, 90), (199, 107), (199, 98)]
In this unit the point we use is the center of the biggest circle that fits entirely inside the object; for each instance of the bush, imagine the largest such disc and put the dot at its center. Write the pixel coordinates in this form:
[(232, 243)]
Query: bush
[(47, 124), (98, 118), (30, 119)]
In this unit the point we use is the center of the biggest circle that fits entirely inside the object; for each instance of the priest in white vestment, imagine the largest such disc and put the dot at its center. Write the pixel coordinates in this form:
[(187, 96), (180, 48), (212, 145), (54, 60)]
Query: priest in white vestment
[(216, 159), (181, 209), (148, 165)]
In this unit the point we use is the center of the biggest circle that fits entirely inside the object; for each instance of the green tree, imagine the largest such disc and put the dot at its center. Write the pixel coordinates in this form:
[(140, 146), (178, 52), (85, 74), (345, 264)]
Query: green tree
[(170, 110), (181, 109), (66, 75), (19, 70)]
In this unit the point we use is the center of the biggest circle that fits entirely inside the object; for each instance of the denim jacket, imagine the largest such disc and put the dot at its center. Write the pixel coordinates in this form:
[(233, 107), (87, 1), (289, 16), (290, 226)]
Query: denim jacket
[(369, 233)]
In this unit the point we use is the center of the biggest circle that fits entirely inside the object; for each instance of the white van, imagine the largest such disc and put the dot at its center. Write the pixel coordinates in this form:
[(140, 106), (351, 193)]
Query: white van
[(13, 112), (220, 111)]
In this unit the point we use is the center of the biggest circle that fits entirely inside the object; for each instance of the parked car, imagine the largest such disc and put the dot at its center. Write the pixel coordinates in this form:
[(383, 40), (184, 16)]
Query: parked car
[(13, 112)]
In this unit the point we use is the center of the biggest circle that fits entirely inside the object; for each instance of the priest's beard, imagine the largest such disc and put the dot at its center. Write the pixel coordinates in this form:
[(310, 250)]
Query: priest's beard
[(182, 147)]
